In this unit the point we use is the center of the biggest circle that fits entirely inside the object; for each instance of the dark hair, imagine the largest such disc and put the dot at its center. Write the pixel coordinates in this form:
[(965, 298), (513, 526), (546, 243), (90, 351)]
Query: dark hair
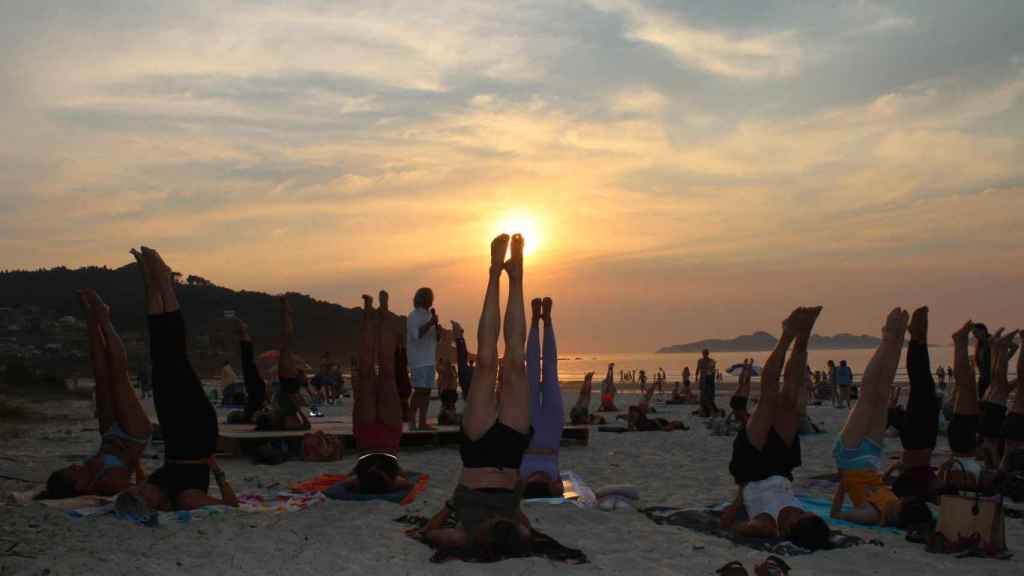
[(504, 541), (536, 490), (378, 477), (810, 532), (59, 485), (419, 300), (914, 512)]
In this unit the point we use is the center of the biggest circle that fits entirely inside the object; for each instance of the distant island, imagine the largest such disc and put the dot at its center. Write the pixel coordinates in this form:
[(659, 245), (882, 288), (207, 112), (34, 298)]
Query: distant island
[(764, 342)]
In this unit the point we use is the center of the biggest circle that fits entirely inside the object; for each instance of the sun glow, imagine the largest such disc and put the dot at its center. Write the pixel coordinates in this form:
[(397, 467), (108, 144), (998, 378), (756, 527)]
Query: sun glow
[(522, 223)]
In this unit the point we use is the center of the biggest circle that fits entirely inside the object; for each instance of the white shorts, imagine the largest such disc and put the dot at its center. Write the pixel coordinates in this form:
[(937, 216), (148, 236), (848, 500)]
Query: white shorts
[(769, 496)]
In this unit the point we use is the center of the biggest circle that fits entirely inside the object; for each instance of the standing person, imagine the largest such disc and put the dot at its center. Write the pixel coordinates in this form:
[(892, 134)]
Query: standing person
[(421, 352), (844, 381), (145, 380), (706, 374), (940, 377), (227, 380), (830, 374)]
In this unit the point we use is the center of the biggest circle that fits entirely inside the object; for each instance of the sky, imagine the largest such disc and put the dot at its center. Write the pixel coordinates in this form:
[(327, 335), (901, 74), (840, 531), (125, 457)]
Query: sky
[(681, 170)]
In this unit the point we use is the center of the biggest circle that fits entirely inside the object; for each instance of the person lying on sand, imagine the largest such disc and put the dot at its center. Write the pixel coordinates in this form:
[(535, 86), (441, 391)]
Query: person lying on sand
[(377, 409), (448, 390), (486, 504), (124, 427), (858, 450), (637, 421), (608, 391), (255, 386), (993, 405), (767, 450), (188, 422), (580, 414), (539, 471), (740, 399), (963, 470), (290, 414), (918, 423)]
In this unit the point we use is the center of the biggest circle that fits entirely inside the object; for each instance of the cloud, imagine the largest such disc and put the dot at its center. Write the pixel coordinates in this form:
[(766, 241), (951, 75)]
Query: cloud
[(718, 52)]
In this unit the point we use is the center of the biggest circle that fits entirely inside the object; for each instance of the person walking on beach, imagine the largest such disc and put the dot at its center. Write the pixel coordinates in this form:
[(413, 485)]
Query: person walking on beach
[(421, 351), (706, 374)]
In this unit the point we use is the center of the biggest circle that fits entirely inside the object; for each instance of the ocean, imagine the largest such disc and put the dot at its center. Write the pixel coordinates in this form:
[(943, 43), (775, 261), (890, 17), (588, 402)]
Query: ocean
[(573, 365)]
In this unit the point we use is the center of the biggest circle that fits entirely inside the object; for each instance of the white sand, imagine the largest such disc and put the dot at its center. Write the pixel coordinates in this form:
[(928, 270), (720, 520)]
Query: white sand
[(679, 468)]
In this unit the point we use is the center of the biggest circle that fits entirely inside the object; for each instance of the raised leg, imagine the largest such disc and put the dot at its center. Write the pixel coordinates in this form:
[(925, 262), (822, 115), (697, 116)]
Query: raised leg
[(787, 414), (127, 409), (763, 417), (921, 427), (98, 360), (389, 404), (514, 409), (364, 405), (868, 417), (481, 408), (533, 359)]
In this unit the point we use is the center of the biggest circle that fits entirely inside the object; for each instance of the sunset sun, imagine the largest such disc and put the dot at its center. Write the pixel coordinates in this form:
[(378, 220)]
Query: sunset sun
[(524, 223)]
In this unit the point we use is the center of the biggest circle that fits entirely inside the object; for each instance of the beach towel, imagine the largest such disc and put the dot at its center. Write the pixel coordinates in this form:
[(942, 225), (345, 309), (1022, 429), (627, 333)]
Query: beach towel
[(613, 429), (541, 545), (706, 521), (574, 491), (333, 487)]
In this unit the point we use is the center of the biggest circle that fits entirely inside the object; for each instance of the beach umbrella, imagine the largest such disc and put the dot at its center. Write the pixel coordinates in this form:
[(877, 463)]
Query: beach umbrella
[(737, 369)]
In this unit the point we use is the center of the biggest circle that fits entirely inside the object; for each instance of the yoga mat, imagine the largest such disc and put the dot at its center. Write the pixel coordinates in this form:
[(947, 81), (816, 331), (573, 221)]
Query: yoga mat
[(333, 487), (574, 491)]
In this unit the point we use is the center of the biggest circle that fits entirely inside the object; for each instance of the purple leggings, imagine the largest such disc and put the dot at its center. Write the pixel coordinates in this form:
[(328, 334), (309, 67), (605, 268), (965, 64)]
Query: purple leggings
[(547, 414)]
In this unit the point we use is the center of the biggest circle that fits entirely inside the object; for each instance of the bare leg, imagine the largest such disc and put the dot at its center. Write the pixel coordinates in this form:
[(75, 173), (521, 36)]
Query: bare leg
[(533, 358), (154, 303), (515, 394), (364, 405), (389, 405), (997, 394), (1018, 409), (160, 274), (763, 417), (583, 400), (481, 408), (104, 411), (787, 413), (127, 409), (743, 388), (967, 386), (868, 418)]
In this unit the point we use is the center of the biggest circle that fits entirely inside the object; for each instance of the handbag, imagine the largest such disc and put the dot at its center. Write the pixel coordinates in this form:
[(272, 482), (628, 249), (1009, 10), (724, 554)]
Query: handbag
[(963, 517), (320, 447)]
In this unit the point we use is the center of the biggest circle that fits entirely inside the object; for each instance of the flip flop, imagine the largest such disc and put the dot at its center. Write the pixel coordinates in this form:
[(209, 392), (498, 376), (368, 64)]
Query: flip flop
[(772, 566), (734, 568)]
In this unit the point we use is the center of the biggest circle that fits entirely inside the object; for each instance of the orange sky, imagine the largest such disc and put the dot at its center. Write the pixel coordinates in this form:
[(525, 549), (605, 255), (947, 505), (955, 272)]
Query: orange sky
[(682, 171)]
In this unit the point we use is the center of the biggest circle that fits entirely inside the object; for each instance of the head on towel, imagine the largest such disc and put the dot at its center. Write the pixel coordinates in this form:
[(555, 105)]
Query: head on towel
[(540, 484), (66, 483), (500, 538), (805, 529), (378, 475), (141, 500)]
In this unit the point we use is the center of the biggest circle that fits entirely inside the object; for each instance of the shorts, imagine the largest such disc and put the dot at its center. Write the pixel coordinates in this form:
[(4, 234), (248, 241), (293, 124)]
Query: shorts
[(1013, 427), (769, 496), (500, 447), (423, 378), (866, 456), (377, 438), (748, 464)]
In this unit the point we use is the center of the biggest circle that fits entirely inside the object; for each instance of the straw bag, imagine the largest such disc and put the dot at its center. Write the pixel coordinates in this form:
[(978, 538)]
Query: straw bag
[(974, 517)]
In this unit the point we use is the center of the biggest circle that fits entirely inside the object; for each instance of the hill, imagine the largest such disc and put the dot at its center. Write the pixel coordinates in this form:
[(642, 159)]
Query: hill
[(320, 326), (763, 341)]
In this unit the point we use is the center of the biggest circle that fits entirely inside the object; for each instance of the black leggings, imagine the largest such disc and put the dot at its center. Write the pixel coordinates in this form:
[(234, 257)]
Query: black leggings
[(188, 422), (255, 387), (919, 426)]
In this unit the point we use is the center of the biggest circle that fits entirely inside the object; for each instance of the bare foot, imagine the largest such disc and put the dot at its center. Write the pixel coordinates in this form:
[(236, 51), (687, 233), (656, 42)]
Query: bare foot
[(514, 265), (367, 303), (457, 330), (97, 305), (499, 246), (896, 323), (383, 300), (961, 334), (919, 325), (86, 305), (535, 305), (547, 303), (801, 322)]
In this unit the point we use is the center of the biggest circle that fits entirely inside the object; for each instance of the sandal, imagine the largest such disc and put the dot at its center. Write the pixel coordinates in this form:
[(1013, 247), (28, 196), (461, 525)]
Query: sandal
[(734, 568), (772, 566)]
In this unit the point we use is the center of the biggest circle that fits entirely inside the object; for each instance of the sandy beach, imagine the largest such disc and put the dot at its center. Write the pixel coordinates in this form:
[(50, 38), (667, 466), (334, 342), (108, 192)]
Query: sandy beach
[(677, 468)]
